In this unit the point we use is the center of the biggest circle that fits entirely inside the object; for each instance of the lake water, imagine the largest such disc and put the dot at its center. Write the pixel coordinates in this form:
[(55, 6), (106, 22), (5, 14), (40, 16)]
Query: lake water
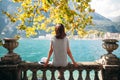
[(82, 50)]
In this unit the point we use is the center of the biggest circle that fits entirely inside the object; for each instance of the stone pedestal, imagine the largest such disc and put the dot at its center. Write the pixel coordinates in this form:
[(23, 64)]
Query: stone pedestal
[(111, 72), (109, 58), (10, 72), (10, 61), (110, 62), (11, 57)]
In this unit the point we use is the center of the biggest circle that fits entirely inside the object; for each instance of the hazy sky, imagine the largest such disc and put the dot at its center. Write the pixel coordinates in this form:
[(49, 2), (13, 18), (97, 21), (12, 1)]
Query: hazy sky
[(107, 8)]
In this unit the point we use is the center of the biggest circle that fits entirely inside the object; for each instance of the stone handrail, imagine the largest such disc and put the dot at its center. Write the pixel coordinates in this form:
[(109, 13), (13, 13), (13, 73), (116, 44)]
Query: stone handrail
[(34, 67)]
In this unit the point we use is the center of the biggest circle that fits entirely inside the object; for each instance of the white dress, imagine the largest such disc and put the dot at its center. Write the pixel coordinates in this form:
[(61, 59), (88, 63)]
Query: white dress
[(60, 51)]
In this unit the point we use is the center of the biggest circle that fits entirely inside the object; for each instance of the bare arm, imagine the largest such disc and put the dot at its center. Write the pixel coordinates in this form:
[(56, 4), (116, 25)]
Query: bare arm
[(49, 54), (70, 55)]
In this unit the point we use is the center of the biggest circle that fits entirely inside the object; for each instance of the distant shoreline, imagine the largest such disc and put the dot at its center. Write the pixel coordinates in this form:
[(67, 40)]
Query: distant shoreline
[(69, 38)]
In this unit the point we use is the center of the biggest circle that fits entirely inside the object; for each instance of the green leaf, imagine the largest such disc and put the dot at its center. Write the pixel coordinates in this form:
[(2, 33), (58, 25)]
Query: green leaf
[(1, 42), (78, 0), (50, 1)]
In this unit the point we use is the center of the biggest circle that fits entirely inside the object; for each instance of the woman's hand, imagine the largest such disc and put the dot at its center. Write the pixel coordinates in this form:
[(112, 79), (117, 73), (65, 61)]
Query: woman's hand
[(75, 64), (49, 54), (46, 63)]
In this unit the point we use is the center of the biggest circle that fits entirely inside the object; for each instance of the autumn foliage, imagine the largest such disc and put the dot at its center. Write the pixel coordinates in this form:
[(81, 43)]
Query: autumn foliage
[(36, 15)]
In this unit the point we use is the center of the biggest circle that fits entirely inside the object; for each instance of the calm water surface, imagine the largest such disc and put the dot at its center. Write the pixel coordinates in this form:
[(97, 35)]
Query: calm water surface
[(82, 50)]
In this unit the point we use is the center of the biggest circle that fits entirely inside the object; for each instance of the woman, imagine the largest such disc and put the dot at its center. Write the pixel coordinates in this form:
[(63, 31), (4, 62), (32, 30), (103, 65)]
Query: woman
[(60, 46)]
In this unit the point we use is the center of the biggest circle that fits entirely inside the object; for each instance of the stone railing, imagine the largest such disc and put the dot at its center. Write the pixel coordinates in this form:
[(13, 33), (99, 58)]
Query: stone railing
[(13, 68), (87, 67)]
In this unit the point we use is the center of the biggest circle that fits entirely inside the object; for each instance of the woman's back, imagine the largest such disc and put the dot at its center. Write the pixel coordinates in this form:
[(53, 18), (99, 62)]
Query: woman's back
[(60, 46), (60, 51)]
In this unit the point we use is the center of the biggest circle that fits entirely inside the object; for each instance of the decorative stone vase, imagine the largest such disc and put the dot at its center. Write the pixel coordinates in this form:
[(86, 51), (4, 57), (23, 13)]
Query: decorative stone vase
[(110, 45), (109, 59), (10, 58), (10, 44)]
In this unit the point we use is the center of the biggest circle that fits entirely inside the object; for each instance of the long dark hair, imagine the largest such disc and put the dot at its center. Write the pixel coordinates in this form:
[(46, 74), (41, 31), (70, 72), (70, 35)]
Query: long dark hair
[(60, 31)]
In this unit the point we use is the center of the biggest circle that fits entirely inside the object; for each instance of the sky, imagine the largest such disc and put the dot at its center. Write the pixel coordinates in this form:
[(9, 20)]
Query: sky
[(107, 8)]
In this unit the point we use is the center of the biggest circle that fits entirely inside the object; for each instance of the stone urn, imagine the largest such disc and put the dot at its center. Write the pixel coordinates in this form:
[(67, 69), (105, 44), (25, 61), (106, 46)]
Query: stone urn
[(10, 58), (109, 59), (110, 45)]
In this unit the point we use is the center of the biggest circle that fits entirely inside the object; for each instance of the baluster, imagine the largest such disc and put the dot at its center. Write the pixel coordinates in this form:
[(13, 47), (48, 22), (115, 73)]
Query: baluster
[(25, 75), (88, 75), (62, 74), (19, 76), (71, 75), (96, 75), (44, 75), (34, 74), (80, 75), (53, 76)]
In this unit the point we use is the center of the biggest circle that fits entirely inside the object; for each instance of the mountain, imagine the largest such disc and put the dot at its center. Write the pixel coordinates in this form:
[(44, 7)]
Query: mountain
[(97, 16), (2, 17), (7, 29), (116, 19), (101, 23)]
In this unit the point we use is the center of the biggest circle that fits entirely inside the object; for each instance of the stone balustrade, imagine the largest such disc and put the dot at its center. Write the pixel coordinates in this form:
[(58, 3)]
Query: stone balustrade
[(35, 67)]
